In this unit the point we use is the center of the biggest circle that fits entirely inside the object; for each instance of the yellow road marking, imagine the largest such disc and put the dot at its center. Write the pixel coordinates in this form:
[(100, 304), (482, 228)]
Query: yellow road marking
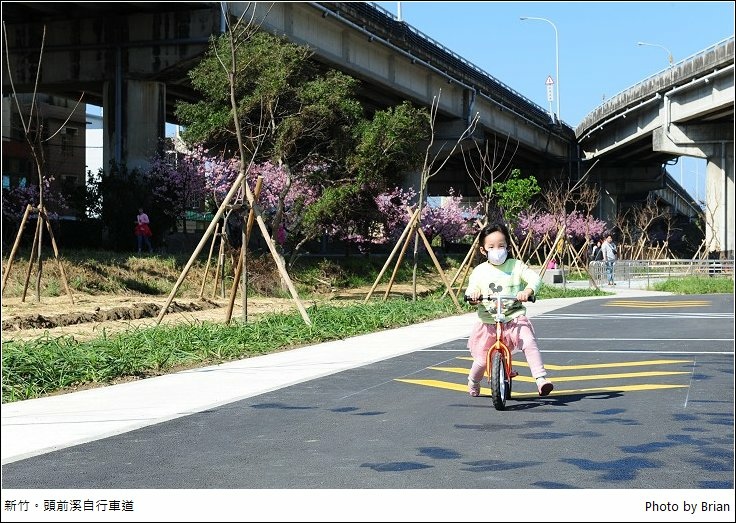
[(594, 365), (557, 392), (460, 370)]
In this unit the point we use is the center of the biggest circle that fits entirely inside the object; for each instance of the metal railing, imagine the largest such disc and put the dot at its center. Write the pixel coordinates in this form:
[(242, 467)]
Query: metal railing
[(640, 271)]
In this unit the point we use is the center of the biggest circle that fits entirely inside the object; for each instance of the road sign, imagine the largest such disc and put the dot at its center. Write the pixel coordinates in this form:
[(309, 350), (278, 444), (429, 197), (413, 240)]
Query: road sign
[(550, 83)]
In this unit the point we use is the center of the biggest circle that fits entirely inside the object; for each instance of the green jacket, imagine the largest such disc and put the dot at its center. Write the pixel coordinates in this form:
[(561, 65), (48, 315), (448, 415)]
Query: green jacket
[(511, 277)]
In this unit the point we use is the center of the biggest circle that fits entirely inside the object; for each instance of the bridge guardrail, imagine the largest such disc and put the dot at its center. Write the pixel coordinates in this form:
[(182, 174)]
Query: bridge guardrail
[(719, 52), (399, 31)]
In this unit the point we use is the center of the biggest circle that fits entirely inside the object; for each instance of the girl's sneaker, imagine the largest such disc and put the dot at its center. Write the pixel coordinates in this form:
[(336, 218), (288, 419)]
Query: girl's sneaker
[(544, 386), (474, 388)]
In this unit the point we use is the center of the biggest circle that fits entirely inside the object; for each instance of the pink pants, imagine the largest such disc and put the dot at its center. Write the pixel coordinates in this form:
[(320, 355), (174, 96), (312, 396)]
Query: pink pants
[(518, 335)]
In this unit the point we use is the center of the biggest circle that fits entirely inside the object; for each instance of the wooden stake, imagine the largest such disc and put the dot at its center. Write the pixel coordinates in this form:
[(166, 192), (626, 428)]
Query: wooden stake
[(241, 259), (13, 251), (439, 269), (266, 237), (30, 260), (398, 261), (209, 257), (56, 255), (39, 259), (220, 261), (469, 254), (393, 253)]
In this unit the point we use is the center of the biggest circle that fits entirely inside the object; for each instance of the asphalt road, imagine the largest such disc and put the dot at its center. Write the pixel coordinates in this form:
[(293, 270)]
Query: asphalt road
[(643, 399)]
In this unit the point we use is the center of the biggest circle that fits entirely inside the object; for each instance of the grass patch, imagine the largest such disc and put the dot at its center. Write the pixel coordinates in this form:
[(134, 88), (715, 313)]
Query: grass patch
[(697, 285), (45, 365)]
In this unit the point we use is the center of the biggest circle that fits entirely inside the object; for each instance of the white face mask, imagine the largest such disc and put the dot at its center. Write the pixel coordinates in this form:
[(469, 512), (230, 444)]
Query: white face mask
[(497, 256)]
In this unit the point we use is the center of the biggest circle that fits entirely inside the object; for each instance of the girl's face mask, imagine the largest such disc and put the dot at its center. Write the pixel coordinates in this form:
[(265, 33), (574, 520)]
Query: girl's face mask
[(497, 256)]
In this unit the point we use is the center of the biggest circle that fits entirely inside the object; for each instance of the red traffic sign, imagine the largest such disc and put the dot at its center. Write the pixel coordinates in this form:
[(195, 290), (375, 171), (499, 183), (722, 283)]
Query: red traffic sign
[(549, 81)]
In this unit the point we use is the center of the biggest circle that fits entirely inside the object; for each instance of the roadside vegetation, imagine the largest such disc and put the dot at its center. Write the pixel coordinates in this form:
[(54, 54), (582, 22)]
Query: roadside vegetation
[(48, 365), (696, 285)]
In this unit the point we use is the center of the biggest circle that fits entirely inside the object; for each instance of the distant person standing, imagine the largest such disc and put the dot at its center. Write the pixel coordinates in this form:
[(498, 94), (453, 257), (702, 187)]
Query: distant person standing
[(143, 231), (610, 253), (595, 251)]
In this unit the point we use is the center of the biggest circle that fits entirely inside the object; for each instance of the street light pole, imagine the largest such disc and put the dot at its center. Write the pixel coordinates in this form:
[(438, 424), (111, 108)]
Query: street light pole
[(557, 57), (669, 55)]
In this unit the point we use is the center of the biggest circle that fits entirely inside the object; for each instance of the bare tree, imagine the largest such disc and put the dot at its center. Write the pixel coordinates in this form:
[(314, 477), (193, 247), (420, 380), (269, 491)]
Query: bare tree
[(712, 206), (431, 166), (238, 32), (35, 136), (483, 163), (644, 216), (486, 162)]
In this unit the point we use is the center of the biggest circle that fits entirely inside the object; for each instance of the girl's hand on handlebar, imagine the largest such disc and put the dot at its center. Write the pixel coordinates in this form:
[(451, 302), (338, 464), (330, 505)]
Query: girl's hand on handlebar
[(474, 297), (524, 295)]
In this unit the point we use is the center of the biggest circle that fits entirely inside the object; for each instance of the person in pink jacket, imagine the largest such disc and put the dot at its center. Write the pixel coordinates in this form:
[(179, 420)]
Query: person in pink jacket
[(143, 231), (503, 275)]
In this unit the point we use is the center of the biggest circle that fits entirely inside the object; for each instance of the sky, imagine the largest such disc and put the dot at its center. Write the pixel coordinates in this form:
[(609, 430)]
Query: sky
[(595, 51)]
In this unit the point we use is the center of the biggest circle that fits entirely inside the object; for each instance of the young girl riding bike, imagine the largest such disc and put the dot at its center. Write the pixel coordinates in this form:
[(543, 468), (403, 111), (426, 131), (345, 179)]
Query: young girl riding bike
[(503, 274)]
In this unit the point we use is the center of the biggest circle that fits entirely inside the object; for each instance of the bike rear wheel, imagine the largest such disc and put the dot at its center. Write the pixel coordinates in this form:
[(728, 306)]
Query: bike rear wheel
[(500, 384)]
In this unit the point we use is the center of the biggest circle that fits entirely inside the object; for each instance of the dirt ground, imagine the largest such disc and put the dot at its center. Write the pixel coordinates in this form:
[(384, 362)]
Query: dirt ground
[(92, 315)]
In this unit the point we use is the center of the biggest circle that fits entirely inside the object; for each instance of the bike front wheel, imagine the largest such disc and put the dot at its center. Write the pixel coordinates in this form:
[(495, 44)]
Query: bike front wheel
[(500, 383)]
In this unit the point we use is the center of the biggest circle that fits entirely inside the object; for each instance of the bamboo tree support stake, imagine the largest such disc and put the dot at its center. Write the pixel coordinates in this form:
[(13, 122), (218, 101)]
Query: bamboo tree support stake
[(467, 272), (220, 261), (572, 252), (437, 264), (514, 248), (409, 236), (248, 230), (56, 255), (205, 237), (439, 268), (541, 246), (31, 258), (14, 250), (393, 253), (465, 261), (241, 259), (585, 268), (39, 259), (551, 253), (200, 245), (525, 246), (244, 289), (209, 257), (236, 281), (277, 258)]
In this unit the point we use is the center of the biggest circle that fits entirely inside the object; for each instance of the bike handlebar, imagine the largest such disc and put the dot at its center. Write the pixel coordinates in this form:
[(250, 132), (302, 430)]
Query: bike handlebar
[(489, 297)]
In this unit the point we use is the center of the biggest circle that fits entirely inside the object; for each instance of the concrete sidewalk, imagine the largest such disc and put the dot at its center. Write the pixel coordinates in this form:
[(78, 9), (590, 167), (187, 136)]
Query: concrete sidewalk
[(37, 426)]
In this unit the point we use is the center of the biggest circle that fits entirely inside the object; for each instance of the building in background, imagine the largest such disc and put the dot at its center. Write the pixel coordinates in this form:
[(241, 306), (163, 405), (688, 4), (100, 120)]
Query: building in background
[(94, 142), (63, 126)]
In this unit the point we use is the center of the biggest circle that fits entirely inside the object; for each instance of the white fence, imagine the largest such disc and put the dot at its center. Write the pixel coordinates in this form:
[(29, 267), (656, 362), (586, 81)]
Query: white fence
[(646, 270)]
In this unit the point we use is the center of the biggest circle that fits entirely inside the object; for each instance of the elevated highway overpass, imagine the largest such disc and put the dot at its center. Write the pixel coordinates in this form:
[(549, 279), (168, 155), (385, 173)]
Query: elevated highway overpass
[(685, 110), (127, 56), (131, 58)]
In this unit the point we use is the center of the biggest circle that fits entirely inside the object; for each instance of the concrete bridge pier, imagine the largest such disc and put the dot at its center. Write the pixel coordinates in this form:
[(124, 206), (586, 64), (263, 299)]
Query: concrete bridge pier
[(715, 143), (718, 194), (134, 119)]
